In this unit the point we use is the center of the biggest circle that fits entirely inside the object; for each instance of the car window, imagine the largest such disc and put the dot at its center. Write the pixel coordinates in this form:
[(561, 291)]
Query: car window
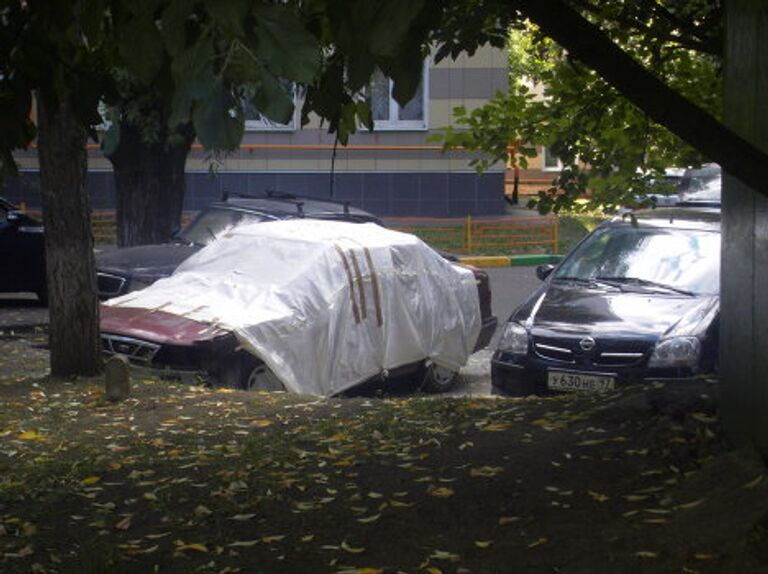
[(684, 259), (213, 222)]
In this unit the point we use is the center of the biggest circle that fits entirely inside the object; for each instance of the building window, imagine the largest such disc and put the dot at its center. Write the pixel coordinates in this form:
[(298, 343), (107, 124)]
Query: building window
[(388, 114), (255, 122), (549, 161)]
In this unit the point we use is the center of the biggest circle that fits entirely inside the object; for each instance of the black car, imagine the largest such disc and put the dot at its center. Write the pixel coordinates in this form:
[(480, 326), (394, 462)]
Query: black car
[(120, 271), (637, 300), (22, 253)]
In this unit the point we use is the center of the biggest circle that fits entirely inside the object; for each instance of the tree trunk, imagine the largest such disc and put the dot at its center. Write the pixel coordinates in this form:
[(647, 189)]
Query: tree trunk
[(150, 183), (743, 283), (73, 306), (587, 43)]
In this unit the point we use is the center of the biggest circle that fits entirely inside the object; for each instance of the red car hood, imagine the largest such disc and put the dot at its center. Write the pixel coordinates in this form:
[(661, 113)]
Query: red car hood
[(156, 326)]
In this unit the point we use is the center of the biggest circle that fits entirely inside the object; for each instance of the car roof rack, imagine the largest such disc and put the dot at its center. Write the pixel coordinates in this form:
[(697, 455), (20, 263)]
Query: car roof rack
[(289, 198)]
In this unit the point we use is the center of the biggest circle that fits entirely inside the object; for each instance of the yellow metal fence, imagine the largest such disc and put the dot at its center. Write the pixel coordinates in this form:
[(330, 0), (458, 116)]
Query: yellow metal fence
[(484, 235)]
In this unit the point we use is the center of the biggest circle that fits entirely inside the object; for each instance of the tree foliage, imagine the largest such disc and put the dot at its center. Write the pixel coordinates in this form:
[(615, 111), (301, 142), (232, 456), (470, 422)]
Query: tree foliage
[(606, 143)]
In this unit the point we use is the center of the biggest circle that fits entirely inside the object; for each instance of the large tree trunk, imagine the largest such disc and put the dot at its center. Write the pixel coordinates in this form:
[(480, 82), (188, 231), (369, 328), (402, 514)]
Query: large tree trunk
[(149, 179), (587, 43), (744, 281), (74, 309)]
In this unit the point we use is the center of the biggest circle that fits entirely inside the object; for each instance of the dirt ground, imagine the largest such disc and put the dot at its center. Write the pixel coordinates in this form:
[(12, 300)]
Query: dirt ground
[(189, 479)]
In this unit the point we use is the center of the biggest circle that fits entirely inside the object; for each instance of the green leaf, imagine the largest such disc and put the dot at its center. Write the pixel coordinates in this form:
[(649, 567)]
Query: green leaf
[(229, 15), (392, 24), (193, 75), (272, 100), (111, 139), (174, 25), (141, 48), (285, 46), (218, 120)]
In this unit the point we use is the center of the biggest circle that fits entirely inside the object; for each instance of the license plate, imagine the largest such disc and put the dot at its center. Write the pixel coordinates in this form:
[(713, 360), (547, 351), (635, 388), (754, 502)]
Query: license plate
[(564, 381)]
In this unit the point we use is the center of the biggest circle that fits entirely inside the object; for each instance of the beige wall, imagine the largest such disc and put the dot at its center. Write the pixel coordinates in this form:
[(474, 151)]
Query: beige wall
[(469, 81)]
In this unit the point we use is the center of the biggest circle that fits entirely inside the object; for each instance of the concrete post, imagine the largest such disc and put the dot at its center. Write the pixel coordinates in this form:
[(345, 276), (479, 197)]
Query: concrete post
[(744, 276)]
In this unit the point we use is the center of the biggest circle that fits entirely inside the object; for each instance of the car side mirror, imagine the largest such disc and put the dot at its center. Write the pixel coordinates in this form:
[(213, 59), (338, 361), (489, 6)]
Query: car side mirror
[(543, 271)]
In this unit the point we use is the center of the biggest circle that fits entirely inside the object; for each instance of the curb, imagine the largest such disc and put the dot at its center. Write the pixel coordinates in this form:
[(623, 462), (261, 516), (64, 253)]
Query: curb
[(510, 260)]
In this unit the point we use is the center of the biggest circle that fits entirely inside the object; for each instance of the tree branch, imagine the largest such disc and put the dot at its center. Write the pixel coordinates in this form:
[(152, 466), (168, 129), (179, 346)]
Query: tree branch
[(664, 105)]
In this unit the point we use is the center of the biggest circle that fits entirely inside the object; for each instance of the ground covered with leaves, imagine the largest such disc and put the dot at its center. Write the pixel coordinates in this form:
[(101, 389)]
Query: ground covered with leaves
[(189, 479)]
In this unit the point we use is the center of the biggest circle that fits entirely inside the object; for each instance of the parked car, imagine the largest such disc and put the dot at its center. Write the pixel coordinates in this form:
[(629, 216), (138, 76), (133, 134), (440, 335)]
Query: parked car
[(22, 253), (636, 300), (121, 271), (695, 186), (310, 306)]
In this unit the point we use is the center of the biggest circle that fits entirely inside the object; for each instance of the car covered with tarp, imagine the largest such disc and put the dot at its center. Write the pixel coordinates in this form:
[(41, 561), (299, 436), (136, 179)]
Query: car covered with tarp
[(310, 306)]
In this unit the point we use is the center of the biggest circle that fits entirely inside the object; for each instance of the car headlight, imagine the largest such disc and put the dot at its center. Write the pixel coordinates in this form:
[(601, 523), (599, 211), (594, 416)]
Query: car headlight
[(514, 339), (676, 352)]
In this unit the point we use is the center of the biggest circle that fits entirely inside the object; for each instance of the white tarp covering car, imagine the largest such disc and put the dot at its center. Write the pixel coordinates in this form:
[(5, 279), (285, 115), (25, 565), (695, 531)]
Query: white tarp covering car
[(326, 305)]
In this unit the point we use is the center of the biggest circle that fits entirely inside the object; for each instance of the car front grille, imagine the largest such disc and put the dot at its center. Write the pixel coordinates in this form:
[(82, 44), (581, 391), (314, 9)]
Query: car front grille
[(109, 285), (609, 353), (137, 351)]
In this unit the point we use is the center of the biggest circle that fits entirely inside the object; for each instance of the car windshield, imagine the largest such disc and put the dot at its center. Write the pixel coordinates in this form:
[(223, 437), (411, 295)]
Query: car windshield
[(673, 260), (212, 222)]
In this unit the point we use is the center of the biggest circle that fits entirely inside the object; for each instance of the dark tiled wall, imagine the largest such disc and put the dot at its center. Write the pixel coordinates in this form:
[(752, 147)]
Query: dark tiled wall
[(395, 194)]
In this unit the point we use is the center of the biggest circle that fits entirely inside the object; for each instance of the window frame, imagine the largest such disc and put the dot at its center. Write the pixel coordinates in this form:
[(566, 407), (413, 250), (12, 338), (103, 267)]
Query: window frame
[(545, 154), (407, 125), (266, 125)]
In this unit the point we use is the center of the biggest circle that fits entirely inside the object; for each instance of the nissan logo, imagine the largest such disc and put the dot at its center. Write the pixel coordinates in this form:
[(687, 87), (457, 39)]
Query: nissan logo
[(587, 344)]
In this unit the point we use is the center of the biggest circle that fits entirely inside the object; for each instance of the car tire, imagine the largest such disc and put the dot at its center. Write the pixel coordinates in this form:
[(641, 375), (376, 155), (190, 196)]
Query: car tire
[(257, 376), (437, 379)]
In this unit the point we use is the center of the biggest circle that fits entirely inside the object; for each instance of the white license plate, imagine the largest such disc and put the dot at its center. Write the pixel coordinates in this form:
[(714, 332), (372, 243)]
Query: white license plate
[(565, 381)]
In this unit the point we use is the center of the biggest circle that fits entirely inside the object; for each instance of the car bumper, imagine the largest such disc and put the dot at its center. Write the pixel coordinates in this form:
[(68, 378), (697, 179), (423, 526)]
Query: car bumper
[(523, 376)]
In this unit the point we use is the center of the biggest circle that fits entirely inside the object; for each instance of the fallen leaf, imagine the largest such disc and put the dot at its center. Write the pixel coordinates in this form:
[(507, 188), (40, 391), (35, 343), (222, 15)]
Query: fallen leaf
[(347, 548), (90, 480), (538, 542), (123, 524), (646, 554), (194, 546), (483, 543), (508, 520), (369, 519), (487, 471), (261, 423), (30, 435), (597, 496), (705, 556), (441, 492), (273, 538), (755, 482), (497, 427), (443, 555), (242, 517)]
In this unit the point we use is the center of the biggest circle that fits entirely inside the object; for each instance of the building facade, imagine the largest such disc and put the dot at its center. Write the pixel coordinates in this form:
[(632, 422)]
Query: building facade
[(392, 171)]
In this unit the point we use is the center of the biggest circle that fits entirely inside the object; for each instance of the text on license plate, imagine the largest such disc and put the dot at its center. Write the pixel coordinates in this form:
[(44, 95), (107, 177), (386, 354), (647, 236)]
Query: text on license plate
[(563, 381)]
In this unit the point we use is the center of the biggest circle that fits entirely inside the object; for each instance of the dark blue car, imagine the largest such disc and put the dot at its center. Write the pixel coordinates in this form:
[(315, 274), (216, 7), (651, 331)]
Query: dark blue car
[(637, 300), (22, 253)]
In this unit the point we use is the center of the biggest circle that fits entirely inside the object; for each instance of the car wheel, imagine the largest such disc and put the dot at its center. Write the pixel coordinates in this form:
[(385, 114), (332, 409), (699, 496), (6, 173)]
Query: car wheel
[(259, 377), (438, 379)]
